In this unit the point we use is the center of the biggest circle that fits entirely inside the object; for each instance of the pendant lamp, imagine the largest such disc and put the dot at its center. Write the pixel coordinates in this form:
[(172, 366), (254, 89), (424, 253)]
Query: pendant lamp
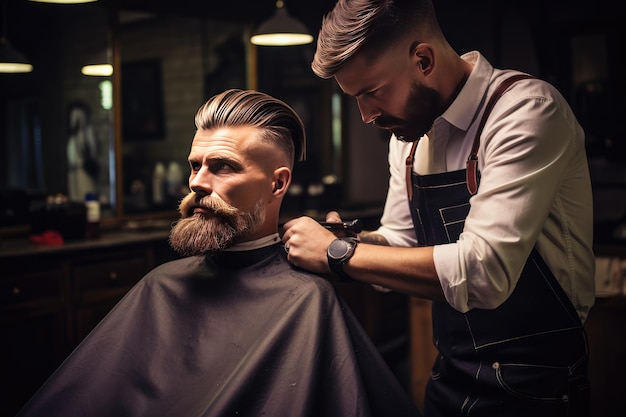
[(11, 60), (64, 1), (97, 70), (281, 30), (99, 65)]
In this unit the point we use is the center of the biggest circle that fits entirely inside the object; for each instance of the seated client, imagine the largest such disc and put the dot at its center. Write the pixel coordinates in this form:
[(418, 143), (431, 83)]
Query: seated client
[(230, 329)]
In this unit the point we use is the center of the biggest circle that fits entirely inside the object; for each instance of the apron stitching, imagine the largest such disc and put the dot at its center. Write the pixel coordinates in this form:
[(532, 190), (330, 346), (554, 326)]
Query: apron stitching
[(469, 327), (426, 187), (576, 364), (469, 409), (419, 215), (447, 233), (576, 319), (525, 336), (442, 209), (453, 222), (442, 216), (470, 395), (472, 406), (515, 393)]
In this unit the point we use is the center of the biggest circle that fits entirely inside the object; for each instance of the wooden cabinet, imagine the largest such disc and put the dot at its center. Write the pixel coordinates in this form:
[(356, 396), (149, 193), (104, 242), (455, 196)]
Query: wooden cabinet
[(33, 327), (51, 298), (422, 349), (607, 355)]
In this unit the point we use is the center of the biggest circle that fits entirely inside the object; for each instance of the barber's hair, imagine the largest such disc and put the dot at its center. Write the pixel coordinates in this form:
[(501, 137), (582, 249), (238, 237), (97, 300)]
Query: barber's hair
[(278, 121), (368, 26)]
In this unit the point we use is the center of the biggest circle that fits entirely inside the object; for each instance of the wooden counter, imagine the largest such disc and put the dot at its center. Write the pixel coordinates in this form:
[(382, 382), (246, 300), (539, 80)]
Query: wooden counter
[(51, 297)]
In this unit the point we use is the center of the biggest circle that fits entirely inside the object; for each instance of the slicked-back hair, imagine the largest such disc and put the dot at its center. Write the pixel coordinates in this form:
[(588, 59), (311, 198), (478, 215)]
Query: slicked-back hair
[(278, 121), (368, 26)]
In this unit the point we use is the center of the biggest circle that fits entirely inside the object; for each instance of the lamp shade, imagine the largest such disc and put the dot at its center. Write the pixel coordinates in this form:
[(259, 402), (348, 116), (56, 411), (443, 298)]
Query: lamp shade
[(97, 70), (281, 30), (64, 1), (12, 60), (99, 65)]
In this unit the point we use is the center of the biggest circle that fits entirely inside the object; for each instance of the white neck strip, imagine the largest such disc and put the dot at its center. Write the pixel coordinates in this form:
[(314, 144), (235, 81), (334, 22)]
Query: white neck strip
[(255, 244)]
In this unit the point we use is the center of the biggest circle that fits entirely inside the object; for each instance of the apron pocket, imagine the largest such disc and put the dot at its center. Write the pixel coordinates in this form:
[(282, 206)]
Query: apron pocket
[(533, 382), (453, 220)]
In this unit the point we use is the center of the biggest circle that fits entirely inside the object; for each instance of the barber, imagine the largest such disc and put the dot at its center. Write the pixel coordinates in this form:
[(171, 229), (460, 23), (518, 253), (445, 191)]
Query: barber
[(488, 212)]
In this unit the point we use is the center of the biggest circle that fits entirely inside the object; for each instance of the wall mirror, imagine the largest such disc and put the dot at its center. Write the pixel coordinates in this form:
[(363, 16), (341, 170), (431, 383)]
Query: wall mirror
[(56, 124), (133, 156), (169, 66), (140, 119), (172, 63)]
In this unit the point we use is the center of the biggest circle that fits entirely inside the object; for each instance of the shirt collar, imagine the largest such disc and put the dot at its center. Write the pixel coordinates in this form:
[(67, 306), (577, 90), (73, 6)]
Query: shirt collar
[(465, 107)]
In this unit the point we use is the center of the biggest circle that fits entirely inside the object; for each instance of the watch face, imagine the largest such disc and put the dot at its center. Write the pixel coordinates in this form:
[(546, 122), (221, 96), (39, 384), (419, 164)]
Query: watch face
[(338, 248)]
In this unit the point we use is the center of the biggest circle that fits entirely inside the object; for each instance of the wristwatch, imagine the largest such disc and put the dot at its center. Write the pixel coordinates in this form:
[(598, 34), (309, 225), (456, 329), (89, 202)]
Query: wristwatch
[(338, 253)]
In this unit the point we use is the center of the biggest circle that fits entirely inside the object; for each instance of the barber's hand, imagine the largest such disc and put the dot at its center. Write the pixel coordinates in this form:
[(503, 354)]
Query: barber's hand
[(333, 216), (306, 242)]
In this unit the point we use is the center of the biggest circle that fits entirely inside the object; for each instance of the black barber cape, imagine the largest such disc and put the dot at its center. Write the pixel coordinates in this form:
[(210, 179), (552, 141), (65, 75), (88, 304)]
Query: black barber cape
[(242, 334)]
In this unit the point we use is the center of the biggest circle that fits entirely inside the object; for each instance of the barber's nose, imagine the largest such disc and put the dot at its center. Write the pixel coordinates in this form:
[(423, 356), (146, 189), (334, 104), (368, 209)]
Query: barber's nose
[(369, 112)]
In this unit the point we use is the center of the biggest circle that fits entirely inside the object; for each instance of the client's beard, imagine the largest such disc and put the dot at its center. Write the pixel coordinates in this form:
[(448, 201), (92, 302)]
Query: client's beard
[(219, 229)]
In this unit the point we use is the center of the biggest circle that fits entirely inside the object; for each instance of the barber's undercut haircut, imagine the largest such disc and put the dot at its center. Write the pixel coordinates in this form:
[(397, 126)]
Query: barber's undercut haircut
[(278, 121), (367, 26)]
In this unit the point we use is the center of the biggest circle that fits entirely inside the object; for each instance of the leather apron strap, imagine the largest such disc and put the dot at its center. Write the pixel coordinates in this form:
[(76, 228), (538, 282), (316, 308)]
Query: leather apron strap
[(409, 171), (472, 160)]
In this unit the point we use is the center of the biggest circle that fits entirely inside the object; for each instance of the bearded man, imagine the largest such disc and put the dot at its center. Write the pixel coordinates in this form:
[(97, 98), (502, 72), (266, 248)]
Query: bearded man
[(232, 328)]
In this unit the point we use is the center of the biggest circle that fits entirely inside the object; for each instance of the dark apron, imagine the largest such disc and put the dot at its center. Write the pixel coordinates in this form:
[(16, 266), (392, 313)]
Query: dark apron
[(528, 357)]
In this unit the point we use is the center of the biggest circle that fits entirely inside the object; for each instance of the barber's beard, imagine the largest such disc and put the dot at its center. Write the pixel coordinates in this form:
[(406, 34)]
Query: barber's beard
[(219, 228), (422, 108)]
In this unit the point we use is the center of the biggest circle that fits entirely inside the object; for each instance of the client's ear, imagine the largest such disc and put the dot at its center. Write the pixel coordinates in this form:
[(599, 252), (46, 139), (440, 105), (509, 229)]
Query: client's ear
[(282, 178)]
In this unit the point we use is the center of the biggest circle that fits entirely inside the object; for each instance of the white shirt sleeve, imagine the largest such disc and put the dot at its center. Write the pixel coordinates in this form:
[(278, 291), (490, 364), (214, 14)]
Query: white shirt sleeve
[(529, 158), (396, 222)]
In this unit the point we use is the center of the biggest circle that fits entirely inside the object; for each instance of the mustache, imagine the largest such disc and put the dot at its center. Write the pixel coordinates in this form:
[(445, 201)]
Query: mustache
[(213, 203), (202, 234), (384, 122)]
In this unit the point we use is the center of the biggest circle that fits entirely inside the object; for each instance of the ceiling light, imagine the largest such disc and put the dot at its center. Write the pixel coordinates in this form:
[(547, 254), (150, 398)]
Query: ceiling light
[(64, 1), (12, 60), (281, 30), (99, 65), (97, 70)]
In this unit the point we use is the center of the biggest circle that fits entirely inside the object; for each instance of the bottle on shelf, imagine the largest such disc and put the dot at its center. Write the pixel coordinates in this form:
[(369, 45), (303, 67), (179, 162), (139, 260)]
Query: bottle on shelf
[(92, 230)]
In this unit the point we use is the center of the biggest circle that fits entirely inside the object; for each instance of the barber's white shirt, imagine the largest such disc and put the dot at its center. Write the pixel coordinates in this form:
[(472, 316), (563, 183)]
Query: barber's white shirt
[(534, 190)]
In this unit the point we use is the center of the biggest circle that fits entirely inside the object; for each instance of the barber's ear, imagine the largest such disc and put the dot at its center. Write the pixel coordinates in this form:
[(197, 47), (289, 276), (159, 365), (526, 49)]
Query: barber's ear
[(423, 53), (282, 179)]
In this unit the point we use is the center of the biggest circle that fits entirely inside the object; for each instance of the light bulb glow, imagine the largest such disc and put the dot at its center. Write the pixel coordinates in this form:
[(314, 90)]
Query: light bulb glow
[(97, 70), (15, 67), (281, 39), (64, 1)]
